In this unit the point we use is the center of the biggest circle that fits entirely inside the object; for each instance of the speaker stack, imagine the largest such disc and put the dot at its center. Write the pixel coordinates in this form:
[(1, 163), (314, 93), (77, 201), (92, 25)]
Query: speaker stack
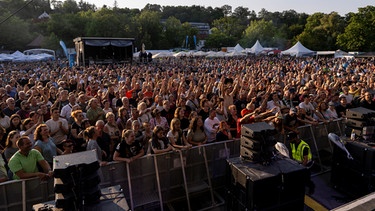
[(76, 180), (257, 142), (360, 121)]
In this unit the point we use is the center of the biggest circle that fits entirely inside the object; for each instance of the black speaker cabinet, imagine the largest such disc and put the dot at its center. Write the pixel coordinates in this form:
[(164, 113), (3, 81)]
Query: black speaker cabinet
[(257, 130), (357, 176), (357, 123), (360, 113), (250, 143), (76, 180), (279, 186)]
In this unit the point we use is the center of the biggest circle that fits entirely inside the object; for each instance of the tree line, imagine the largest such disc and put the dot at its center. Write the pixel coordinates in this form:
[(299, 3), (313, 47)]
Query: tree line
[(166, 27)]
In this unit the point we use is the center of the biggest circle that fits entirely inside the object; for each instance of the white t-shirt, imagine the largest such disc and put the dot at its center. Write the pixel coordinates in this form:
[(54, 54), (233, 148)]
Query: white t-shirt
[(55, 126), (210, 128)]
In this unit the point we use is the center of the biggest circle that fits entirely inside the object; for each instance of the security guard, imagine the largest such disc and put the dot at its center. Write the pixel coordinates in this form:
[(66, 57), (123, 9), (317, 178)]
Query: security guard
[(300, 150), (301, 153)]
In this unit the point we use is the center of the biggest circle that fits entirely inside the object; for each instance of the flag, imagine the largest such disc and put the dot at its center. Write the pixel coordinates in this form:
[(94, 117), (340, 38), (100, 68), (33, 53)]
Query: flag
[(64, 48)]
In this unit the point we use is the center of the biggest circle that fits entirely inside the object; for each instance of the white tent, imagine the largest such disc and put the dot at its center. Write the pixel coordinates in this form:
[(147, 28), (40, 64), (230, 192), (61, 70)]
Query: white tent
[(162, 55), (340, 54), (238, 48), (200, 53), (298, 50), (235, 53), (256, 49)]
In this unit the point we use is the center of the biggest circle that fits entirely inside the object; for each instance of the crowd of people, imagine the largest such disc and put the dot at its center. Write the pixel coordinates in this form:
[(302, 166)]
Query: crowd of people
[(126, 111)]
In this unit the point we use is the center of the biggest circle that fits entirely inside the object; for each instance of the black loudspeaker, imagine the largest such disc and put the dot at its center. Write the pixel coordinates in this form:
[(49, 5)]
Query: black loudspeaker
[(250, 143), (279, 186), (257, 142), (257, 130), (360, 113), (358, 123), (76, 180), (357, 176)]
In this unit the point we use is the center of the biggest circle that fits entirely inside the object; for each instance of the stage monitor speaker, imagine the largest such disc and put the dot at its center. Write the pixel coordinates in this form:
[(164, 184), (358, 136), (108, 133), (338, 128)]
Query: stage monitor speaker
[(76, 180), (354, 176), (250, 143), (359, 113), (279, 186), (257, 130), (357, 123), (250, 155)]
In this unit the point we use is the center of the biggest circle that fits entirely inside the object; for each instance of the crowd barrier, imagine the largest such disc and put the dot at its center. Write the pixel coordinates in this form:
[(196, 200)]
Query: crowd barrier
[(161, 180)]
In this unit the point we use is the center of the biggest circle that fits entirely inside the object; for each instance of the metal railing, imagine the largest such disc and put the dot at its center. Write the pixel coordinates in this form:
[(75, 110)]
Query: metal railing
[(160, 180)]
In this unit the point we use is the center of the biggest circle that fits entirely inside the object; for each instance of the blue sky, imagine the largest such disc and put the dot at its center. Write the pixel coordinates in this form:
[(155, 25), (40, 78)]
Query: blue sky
[(308, 6)]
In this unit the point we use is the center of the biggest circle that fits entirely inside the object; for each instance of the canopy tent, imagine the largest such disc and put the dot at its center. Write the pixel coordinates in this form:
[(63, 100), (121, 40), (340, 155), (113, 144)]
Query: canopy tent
[(340, 54), (200, 53), (162, 54), (256, 49), (238, 48), (298, 50), (236, 53), (20, 57)]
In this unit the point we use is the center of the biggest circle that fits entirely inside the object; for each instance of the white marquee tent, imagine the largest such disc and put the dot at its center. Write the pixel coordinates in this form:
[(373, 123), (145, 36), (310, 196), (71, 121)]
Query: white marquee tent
[(256, 49), (298, 50)]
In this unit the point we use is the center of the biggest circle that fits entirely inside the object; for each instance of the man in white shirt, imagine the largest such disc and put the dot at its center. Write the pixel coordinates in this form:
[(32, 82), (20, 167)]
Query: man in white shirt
[(211, 126), (307, 105), (58, 127), (67, 109)]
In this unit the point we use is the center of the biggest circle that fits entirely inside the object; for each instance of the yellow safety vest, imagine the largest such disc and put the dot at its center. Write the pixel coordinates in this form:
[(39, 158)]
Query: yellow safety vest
[(297, 154)]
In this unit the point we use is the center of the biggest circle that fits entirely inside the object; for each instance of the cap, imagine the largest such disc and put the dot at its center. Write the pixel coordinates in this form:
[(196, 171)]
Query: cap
[(342, 96), (331, 104)]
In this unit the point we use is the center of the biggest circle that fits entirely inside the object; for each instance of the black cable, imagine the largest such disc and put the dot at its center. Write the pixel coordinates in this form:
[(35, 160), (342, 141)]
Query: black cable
[(15, 12)]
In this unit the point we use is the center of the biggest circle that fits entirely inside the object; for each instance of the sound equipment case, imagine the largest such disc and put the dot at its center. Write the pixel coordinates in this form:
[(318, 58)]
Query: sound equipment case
[(357, 176), (359, 113), (252, 186)]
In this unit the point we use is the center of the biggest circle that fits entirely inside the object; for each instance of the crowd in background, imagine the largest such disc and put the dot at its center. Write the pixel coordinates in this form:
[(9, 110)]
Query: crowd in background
[(130, 110)]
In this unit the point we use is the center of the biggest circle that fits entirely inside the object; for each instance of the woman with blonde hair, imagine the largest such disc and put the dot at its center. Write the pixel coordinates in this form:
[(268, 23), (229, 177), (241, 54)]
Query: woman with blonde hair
[(112, 130), (129, 149), (176, 136)]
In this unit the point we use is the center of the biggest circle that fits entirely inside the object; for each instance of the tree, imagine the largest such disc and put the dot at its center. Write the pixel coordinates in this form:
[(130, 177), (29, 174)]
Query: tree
[(15, 34), (242, 14), (149, 28), (227, 10), (225, 32), (359, 34), (173, 32), (261, 30), (321, 31)]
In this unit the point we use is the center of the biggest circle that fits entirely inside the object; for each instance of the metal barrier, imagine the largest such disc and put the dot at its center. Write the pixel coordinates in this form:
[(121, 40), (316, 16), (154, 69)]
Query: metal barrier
[(317, 138), (159, 180)]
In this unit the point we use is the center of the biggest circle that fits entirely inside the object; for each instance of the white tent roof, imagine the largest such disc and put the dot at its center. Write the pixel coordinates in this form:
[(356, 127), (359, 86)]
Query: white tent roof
[(297, 50), (200, 53), (235, 53), (256, 49), (238, 48), (43, 15), (20, 57), (162, 55)]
